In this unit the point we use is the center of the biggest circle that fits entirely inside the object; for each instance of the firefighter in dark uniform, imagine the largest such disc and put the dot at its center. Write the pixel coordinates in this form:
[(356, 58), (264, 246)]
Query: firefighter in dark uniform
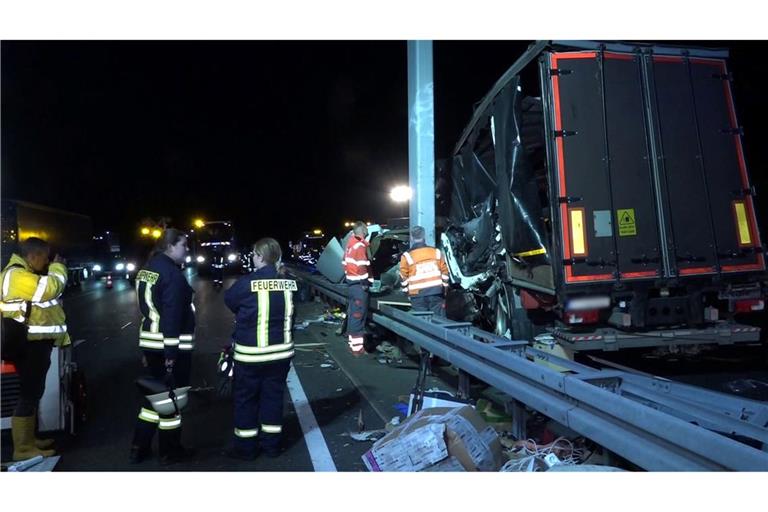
[(166, 337), (217, 266), (263, 348)]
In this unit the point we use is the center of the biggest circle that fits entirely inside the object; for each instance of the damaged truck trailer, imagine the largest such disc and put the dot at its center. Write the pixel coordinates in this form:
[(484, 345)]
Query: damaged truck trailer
[(611, 208)]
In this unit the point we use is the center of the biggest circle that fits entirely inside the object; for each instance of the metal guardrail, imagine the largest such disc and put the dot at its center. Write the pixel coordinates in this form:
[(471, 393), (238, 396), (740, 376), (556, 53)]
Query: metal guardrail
[(655, 423)]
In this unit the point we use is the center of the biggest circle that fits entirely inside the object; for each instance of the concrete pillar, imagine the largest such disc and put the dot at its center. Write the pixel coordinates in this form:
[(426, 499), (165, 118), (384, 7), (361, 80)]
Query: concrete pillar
[(421, 137)]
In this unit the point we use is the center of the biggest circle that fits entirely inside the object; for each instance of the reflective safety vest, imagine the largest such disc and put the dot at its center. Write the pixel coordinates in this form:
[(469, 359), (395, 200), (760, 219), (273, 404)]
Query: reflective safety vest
[(263, 306), (34, 299), (423, 271), (165, 303), (356, 263)]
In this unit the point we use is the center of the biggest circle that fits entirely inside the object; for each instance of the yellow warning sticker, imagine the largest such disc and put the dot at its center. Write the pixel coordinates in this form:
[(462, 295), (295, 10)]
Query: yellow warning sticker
[(627, 226)]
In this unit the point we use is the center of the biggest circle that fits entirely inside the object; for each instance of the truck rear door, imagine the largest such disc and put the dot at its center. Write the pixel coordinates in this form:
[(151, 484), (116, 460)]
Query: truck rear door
[(649, 168), (711, 211)]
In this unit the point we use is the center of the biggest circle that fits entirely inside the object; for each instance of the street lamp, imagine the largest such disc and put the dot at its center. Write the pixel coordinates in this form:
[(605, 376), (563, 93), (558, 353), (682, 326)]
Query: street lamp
[(156, 233), (199, 223), (401, 194)]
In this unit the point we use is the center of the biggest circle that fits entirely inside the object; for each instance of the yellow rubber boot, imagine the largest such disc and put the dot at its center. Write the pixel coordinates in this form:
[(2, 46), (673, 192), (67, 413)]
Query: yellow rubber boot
[(23, 433)]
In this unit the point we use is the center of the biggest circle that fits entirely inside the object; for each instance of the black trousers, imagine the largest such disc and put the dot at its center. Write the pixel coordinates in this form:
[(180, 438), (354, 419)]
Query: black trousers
[(32, 358), (258, 396), (149, 421)]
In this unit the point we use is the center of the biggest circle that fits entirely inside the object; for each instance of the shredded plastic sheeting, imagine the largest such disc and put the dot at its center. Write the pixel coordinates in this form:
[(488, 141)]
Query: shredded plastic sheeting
[(499, 196)]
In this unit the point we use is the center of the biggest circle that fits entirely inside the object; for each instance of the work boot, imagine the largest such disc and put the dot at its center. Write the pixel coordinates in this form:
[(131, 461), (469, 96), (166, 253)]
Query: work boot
[(170, 449), (177, 454), (23, 434), (139, 454)]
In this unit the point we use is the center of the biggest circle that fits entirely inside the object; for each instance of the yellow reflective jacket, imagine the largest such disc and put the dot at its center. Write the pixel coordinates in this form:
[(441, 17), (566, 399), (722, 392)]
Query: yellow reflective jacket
[(25, 293)]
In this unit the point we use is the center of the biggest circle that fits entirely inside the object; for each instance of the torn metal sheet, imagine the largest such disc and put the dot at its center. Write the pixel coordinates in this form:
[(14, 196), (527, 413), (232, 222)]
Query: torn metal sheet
[(329, 263)]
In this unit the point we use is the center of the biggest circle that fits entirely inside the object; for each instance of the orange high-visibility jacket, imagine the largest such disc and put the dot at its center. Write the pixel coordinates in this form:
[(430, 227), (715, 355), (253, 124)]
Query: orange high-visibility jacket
[(423, 271), (356, 263)]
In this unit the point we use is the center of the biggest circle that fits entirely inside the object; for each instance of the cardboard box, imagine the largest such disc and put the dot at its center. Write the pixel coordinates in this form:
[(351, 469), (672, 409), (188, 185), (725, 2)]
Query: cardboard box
[(449, 465), (408, 450), (432, 435)]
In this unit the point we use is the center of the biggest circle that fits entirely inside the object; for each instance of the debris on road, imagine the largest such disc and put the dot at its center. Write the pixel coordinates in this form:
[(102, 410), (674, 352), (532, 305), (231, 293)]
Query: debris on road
[(367, 435), (528, 456), (433, 435)]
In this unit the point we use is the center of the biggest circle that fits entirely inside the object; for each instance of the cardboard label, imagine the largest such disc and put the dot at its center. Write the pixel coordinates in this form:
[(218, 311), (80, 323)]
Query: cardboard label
[(627, 225), (410, 452), (476, 447)]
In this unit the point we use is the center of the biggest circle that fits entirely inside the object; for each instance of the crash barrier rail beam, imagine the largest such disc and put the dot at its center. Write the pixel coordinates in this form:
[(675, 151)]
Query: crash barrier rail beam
[(655, 423)]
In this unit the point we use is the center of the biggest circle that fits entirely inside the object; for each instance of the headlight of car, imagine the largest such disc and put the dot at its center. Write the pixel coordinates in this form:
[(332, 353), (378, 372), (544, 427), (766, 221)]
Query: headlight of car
[(188, 259), (97, 268), (200, 259), (119, 266), (232, 257), (130, 267)]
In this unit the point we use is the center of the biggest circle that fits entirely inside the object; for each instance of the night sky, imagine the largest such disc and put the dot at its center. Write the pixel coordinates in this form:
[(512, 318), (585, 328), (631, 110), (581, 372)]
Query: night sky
[(279, 137)]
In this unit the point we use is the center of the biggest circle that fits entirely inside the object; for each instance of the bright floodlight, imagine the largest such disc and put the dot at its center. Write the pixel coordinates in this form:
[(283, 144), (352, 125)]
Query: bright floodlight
[(400, 194)]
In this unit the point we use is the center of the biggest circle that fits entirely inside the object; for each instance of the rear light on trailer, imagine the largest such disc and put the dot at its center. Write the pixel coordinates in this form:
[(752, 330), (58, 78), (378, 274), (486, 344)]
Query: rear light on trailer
[(582, 317), (749, 305)]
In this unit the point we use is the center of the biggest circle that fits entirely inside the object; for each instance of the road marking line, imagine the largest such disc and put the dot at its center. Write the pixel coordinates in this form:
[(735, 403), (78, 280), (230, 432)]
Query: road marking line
[(313, 436), (126, 325)]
